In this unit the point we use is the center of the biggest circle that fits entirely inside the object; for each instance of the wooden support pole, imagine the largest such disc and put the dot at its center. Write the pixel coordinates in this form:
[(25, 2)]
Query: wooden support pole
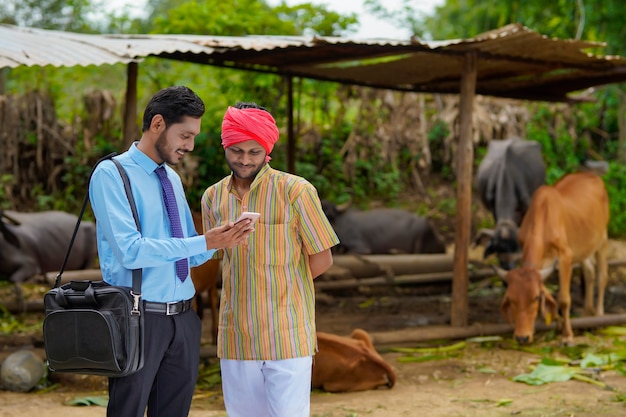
[(465, 158), (291, 137), (130, 106)]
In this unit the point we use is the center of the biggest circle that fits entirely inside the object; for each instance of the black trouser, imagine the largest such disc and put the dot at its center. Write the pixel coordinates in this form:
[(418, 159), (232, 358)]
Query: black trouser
[(167, 380)]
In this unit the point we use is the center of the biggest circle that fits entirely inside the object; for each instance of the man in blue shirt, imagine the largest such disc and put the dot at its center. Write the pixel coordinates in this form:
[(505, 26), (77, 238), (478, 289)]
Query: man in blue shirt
[(165, 384)]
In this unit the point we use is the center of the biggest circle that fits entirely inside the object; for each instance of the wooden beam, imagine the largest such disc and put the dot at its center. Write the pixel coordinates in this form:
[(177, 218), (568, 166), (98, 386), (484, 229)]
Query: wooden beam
[(410, 337), (414, 335), (363, 270), (404, 279), (465, 158), (130, 106), (93, 274), (364, 266)]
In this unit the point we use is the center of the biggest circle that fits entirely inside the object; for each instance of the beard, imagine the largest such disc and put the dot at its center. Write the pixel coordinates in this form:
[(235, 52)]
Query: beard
[(163, 150), (238, 171)]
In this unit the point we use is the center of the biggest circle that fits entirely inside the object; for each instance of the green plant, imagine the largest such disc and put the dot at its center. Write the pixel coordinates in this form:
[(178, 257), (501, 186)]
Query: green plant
[(440, 161), (615, 181)]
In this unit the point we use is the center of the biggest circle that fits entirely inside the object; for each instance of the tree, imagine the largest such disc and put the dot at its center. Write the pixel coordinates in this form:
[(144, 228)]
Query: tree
[(248, 17), (69, 15)]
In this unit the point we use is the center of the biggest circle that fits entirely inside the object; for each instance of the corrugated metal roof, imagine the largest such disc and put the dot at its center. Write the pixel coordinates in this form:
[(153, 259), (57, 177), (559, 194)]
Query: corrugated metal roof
[(512, 61)]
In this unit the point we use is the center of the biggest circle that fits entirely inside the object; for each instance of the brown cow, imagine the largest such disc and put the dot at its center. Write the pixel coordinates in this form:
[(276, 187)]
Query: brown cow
[(345, 364), (205, 278), (567, 221)]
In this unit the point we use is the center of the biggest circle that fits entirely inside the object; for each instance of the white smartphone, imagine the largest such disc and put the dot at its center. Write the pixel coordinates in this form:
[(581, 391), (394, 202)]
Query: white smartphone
[(249, 215)]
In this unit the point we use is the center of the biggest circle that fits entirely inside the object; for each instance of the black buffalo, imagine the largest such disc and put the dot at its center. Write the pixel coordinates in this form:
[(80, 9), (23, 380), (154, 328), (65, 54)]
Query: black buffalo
[(36, 243), (381, 231), (506, 179)]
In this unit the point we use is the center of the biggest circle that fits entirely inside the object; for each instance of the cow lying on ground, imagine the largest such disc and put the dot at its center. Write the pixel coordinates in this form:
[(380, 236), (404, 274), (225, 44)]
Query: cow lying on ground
[(345, 364), (205, 278), (382, 231), (35, 243), (568, 222), (505, 181)]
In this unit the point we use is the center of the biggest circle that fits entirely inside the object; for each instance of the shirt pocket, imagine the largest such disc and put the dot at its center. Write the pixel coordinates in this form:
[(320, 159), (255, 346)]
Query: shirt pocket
[(275, 244)]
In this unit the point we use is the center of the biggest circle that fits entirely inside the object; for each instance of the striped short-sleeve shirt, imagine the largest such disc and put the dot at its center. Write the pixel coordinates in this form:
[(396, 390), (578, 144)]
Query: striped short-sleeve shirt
[(267, 305)]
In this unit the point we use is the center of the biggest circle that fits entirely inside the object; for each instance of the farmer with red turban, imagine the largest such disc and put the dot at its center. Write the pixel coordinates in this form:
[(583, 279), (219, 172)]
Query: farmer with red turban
[(267, 337), (240, 125)]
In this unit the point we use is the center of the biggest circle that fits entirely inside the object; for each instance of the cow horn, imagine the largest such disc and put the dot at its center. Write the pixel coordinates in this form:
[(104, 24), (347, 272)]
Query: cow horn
[(500, 272), (546, 272), (482, 236), (345, 206), (8, 235), (11, 219)]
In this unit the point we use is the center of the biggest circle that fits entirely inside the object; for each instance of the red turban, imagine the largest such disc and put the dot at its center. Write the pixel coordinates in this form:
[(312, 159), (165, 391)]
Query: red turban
[(240, 125)]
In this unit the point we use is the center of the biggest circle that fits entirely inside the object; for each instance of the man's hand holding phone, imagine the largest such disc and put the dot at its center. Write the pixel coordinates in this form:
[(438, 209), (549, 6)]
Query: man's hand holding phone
[(249, 215), (227, 236)]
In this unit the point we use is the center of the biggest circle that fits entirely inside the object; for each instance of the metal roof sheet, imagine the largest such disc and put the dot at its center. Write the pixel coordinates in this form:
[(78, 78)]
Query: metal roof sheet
[(512, 61)]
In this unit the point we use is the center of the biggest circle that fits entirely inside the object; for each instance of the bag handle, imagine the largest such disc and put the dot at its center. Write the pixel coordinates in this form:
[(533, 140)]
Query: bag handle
[(137, 273), (85, 286)]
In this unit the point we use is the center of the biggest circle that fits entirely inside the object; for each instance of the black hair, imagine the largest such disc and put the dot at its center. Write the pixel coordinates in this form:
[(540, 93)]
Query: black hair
[(173, 103), (249, 105)]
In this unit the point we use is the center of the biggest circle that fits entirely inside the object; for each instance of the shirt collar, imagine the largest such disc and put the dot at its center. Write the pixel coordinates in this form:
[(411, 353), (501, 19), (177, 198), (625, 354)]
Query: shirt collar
[(141, 159)]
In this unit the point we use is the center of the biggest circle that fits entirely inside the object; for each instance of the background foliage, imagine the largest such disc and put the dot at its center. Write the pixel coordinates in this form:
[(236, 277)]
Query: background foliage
[(379, 165)]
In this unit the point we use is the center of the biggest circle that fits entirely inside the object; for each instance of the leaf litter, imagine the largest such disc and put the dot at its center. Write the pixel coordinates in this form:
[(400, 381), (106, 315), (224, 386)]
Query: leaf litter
[(582, 362)]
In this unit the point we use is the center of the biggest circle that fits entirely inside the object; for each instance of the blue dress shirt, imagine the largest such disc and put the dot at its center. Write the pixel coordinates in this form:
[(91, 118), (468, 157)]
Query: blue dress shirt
[(122, 248)]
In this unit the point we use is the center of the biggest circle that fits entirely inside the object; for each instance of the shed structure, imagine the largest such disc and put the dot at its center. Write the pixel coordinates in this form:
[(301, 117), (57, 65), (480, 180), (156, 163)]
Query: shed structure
[(512, 62)]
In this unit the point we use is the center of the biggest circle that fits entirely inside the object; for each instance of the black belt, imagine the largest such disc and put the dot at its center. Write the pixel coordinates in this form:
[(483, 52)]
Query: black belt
[(169, 309)]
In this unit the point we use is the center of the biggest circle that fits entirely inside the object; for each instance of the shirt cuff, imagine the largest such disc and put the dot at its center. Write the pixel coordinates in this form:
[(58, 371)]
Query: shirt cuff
[(197, 245)]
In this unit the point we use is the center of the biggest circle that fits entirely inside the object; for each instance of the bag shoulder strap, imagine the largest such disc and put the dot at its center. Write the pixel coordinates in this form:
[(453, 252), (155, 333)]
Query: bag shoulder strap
[(137, 273), (129, 192), (80, 217)]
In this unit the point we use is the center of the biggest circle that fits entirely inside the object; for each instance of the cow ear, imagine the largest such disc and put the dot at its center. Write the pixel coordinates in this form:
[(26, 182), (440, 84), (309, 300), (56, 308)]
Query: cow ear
[(548, 306), (362, 335)]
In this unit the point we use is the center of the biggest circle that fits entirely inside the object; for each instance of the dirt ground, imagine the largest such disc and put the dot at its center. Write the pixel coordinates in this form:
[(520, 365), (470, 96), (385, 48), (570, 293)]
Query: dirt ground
[(444, 388), (473, 381)]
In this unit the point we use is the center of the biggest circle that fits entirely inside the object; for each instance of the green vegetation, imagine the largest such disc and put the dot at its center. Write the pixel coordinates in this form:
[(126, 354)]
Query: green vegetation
[(345, 146)]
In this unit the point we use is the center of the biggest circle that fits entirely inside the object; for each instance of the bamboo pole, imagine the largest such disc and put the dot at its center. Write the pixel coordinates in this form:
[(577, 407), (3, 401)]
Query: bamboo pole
[(320, 285), (417, 278), (362, 266), (427, 278), (428, 333), (74, 275), (409, 269), (410, 336)]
